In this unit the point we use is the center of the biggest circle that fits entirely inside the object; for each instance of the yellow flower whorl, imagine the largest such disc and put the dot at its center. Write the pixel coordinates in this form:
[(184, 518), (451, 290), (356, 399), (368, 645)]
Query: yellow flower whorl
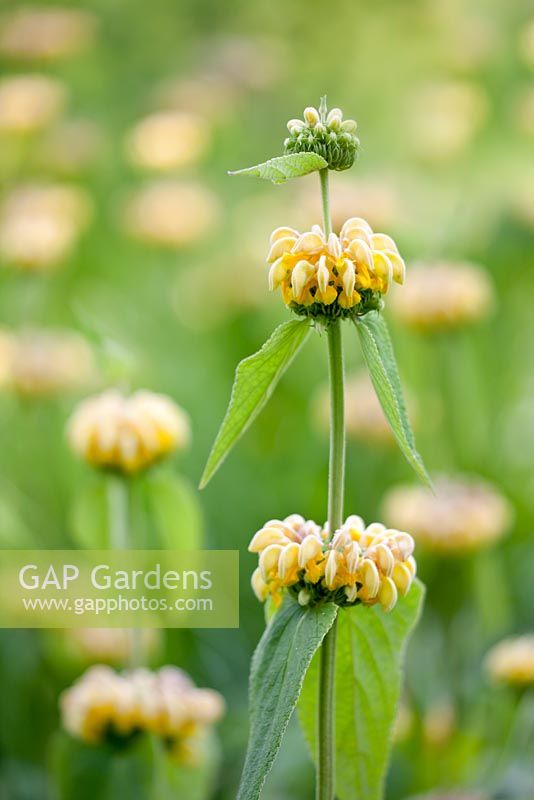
[(339, 275), (370, 564), (127, 433)]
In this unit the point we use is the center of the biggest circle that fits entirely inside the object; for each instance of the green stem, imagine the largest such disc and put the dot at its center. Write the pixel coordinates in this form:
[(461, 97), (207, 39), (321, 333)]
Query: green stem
[(119, 540), (118, 512), (326, 744), (325, 197), (336, 473), (326, 738)]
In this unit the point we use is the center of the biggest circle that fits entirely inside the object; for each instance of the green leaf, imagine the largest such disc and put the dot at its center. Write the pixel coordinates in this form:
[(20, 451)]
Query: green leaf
[(175, 511), (283, 168), (369, 658), (255, 380), (380, 359), (277, 673)]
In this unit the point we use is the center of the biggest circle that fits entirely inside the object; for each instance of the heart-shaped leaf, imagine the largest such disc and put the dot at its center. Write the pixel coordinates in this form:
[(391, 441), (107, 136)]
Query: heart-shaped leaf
[(278, 668), (369, 658), (255, 380), (283, 168), (380, 359)]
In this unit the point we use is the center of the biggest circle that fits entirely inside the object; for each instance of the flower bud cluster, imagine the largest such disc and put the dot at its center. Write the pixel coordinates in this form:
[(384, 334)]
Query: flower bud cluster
[(358, 564), (127, 434), (104, 705), (326, 134), (333, 276)]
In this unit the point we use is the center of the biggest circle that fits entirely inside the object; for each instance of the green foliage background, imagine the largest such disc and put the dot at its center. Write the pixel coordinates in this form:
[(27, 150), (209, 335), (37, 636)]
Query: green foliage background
[(473, 389)]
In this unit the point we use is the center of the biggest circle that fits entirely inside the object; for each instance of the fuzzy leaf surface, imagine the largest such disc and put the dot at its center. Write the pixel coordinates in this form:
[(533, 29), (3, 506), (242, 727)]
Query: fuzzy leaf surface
[(380, 359), (284, 168), (278, 668)]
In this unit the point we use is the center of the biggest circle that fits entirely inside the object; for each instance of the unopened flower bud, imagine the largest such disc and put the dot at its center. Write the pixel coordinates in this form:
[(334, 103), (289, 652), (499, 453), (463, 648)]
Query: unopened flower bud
[(311, 116)]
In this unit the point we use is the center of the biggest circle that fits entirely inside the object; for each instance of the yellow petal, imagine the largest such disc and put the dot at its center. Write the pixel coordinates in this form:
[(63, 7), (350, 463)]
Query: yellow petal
[(277, 274), (398, 265), (370, 577), (260, 588), (349, 278), (382, 267), (334, 246), (402, 577), (381, 241), (387, 594), (405, 544), (352, 557), (355, 222), (323, 274), (264, 537), (361, 253), (280, 247), (309, 242), (332, 562), (289, 558), (269, 559), (300, 276), (283, 233), (384, 559), (309, 548)]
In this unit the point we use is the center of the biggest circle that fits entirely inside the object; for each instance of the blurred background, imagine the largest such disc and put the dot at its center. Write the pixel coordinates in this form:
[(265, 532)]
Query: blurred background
[(129, 258)]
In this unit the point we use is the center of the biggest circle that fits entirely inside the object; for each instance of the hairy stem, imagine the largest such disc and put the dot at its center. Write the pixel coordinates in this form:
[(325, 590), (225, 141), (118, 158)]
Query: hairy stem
[(326, 743)]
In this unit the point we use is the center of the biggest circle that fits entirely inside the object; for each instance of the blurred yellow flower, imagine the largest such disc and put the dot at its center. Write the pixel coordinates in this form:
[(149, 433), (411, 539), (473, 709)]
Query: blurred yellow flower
[(167, 140), (37, 363), (525, 111), (346, 272), (166, 703), (445, 117), (462, 515), (171, 213), (512, 661), (45, 33), (110, 645), (29, 103), (439, 724), (370, 564), (41, 224), (442, 295), (127, 433)]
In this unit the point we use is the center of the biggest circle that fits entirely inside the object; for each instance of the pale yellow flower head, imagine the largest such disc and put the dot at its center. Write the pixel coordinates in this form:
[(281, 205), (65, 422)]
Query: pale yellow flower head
[(336, 276), (366, 564), (109, 645), (127, 434), (512, 661), (40, 225), (104, 704), (45, 34), (443, 295), (445, 117), (29, 103), (167, 140), (42, 363), (171, 214), (461, 516), (439, 724)]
